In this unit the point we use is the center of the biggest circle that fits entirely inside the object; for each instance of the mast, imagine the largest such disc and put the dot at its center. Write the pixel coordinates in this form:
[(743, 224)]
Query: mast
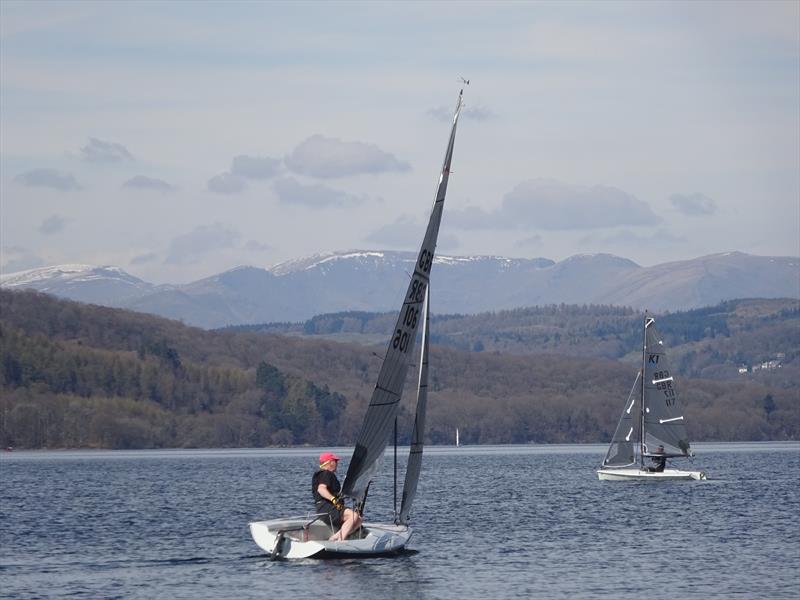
[(641, 408), (382, 410), (395, 467)]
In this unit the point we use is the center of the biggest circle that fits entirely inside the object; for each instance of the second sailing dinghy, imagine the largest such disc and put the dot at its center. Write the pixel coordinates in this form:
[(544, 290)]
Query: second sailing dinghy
[(652, 425), (307, 536)]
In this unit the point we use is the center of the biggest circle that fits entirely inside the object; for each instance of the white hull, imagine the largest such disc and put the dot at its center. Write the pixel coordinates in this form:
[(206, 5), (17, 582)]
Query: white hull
[(304, 537), (638, 474)]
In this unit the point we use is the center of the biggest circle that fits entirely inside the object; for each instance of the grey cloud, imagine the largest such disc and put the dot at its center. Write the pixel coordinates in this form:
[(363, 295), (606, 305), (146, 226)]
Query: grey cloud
[(52, 224), (19, 259), (326, 158), (290, 191), (627, 238), (143, 259), (99, 151), (446, 243), (534, 241), (49, 178), (254, 246), (478, 113), (227, 183), (472, 217), (255, 167), (475, 113), (405, 232), (552, 205), (195, 245), (693, 204), (141, 182)]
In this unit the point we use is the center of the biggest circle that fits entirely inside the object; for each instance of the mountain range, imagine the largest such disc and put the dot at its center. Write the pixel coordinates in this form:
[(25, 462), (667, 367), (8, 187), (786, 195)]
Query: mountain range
[(373, 280)]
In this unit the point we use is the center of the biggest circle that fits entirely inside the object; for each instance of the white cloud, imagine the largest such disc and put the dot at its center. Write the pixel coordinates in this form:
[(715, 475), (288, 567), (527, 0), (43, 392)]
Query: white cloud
[(327, 158)]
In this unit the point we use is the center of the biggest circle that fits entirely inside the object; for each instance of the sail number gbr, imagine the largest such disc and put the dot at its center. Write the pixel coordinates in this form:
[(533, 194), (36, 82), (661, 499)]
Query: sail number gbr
[(408, 319), (665, 385)]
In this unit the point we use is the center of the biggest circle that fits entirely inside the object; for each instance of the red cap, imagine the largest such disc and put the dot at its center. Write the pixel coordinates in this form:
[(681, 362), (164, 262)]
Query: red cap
[(327, 456)]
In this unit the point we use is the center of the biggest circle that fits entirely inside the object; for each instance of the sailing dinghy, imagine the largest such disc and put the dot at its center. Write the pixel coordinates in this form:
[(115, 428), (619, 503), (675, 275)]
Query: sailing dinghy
[(653, 427), (307, 536)]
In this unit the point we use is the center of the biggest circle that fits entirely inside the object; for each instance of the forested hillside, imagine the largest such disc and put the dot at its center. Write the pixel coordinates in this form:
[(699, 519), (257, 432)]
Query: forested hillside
[(74, 375), (712, 343)]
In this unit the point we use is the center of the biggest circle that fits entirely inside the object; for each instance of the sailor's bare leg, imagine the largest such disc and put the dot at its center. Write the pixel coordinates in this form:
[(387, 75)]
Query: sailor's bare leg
[(351, 521)]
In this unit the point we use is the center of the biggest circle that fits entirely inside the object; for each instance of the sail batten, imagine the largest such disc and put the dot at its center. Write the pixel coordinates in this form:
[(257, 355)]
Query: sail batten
[(383, 406)]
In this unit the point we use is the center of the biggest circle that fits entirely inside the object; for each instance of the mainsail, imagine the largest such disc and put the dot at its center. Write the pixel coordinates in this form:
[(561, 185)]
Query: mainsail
[(417, 435), (662, 417), (383, 406), (622, 451)]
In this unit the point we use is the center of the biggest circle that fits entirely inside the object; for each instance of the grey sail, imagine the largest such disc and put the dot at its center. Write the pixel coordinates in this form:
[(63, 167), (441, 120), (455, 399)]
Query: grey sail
[(418, 433), (663, 420), (622, 451), (382, 410)]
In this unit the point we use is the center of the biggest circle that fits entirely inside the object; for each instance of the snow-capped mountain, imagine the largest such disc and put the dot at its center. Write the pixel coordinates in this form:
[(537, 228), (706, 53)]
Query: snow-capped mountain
[(374, 280), (84, 283)]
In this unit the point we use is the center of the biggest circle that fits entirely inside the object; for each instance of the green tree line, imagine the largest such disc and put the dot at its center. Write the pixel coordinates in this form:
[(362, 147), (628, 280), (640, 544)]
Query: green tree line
[(75, 375), (710, 343)]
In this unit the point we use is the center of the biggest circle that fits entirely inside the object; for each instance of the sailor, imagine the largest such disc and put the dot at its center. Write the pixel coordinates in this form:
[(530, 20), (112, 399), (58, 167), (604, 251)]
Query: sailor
[(325, 487), (659, 460)]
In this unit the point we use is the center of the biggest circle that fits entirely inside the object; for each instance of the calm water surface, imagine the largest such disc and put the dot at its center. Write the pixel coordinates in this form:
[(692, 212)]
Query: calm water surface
[(490, 522)]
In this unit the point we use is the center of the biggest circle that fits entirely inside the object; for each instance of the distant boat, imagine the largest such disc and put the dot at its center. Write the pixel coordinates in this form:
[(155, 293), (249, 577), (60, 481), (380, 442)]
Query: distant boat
[(457, 442), (653, 428), (307, 536)]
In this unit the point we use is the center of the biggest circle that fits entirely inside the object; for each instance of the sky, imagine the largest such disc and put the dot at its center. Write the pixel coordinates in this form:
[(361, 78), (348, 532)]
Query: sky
[(177, 140)]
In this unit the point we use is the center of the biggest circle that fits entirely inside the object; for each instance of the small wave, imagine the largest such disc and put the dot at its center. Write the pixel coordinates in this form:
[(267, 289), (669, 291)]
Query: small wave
[(196, 560)]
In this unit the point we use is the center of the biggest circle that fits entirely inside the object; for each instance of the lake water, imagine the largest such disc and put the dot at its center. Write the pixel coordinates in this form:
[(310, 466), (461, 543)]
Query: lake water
[(490, 522)]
